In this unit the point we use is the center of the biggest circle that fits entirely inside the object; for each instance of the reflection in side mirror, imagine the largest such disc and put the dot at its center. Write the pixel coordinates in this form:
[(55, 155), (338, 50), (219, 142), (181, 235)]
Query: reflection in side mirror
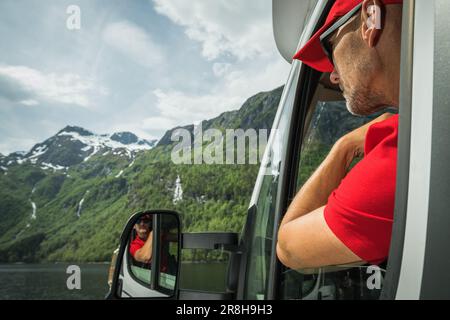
[(150, 254)]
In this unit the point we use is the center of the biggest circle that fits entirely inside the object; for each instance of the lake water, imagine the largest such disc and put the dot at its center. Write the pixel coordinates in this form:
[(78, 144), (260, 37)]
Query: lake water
[(48, 281)]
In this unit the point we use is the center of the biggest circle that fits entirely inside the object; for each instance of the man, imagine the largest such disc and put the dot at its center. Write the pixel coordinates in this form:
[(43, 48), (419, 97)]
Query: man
[(141, 246), (340, 217)]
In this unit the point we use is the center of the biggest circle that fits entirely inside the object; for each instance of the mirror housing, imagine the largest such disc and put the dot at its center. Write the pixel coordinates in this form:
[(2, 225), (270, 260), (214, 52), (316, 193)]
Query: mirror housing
[(148, 259), (211, 241)]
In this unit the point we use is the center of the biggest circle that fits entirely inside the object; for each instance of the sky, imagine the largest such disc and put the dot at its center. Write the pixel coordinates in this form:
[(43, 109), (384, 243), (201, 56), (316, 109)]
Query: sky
[(143, 66)]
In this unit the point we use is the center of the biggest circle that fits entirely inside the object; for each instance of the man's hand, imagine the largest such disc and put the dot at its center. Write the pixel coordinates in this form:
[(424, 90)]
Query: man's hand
[(353, 143)]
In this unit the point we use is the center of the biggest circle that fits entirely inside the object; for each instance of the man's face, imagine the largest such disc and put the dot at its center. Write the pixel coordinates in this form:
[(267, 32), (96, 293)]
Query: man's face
[(142, 227), (356, 70)]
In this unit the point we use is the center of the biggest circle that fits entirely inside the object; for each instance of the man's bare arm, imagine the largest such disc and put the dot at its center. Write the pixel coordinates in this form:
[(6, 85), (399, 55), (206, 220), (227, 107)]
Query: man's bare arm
[(304, 238), (144, 254)]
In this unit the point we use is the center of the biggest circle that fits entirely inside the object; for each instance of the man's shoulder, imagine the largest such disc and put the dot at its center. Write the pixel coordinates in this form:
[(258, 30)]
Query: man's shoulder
[(382, 137)]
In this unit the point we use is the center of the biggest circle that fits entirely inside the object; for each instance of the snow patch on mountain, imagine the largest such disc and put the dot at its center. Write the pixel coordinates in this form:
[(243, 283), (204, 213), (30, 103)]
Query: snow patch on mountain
[(98, 142), (96, 149), (47, 166), (39, 151)]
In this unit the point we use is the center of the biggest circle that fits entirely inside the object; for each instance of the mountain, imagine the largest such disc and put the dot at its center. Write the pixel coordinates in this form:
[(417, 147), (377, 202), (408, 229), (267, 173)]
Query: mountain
[(257, 113), (74, 145), (128, 138), (69, 197)]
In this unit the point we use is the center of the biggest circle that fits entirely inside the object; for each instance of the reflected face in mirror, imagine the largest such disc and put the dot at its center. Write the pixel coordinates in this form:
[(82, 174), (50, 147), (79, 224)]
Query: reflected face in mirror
[(143, 226)]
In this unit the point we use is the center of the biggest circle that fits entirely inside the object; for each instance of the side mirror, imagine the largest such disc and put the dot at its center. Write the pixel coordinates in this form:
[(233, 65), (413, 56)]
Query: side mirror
[(147, 264)]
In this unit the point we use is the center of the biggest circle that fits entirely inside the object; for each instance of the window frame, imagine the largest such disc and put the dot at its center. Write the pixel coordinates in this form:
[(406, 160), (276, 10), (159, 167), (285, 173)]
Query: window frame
[(434, 284), (420, 237)]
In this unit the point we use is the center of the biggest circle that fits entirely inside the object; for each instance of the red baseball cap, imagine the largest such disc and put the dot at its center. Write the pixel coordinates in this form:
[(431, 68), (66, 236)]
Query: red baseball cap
[(312, 52)]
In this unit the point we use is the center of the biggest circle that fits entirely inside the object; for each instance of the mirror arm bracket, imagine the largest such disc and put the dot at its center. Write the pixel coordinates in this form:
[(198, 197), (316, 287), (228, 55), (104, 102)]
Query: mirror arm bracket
[(227, 241)]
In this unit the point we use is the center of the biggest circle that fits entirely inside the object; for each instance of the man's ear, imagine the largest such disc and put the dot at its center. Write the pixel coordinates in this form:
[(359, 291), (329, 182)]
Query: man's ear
[(372, 27)]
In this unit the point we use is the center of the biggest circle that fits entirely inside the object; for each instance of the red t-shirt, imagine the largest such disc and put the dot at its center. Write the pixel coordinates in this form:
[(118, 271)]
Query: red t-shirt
[(138, 243), (360, 211), (135, 245)]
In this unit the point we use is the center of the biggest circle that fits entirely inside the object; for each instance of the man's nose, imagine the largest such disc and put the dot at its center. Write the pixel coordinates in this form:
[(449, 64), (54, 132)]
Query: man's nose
[(334, 77)]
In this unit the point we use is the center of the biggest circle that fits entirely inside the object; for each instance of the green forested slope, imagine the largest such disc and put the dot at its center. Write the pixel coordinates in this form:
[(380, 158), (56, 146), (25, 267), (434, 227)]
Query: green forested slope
[(81, 209)]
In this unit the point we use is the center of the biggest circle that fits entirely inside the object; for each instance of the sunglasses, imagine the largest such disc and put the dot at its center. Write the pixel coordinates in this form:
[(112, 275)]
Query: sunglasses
[(326, 36), (144, 221)]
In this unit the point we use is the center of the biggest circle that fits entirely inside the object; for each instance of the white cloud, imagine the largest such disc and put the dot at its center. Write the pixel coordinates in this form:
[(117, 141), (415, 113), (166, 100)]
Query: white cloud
[(16, 144), (157, 123), (29, 102), (237, 86), (181, 108), (133, 42), (220, 69), (237, 37), (240, 28), (67, 88)]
